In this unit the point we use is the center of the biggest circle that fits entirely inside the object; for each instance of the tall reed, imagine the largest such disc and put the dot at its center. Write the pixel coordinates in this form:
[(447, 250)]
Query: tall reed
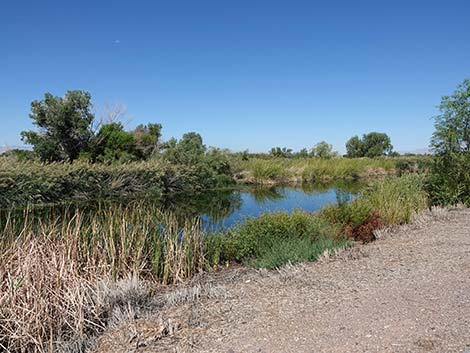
[(51, 265)]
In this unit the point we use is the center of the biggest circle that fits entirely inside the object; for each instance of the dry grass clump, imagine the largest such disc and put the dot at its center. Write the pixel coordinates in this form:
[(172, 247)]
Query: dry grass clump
[(64, 277)]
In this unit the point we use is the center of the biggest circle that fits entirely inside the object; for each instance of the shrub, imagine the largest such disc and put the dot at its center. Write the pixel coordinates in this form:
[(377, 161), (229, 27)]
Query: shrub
[(386, 202), (449, 182), (293, 251), (255, 241)]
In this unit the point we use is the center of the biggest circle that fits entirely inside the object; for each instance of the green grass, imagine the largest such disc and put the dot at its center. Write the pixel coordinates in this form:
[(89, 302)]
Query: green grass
[(315, 169), (294, 251), (396, 200)]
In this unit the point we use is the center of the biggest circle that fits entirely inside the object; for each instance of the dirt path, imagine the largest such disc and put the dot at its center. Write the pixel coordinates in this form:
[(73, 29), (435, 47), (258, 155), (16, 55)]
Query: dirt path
[(408, 292)]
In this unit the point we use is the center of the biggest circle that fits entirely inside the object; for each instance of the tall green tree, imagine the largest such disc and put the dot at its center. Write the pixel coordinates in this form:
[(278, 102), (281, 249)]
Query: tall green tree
[(377, 144), (449, 180), (112, 143), (148, 139), (355, 147), (64, 124), (188, 151), (323, 150), (373, 144)]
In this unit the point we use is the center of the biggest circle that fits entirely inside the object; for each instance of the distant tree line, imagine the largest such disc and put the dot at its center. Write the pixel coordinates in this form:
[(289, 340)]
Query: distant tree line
[(373, 144), (67, 130)]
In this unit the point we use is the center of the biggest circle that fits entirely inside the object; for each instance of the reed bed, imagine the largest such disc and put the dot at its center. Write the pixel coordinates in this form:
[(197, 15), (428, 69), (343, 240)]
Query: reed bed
[(51, 267), (60, 267), (314, 169)]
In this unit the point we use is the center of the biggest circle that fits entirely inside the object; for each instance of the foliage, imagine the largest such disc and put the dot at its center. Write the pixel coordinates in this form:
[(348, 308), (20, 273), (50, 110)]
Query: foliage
[(303, 153), (264, 171), (355, 147), (396, 200), (323, 150), (147, 139), (281, 152), (64, 126), (449, 180), (386, 202), (210, 167), (188, 151), (373, 144), (19, 155), (23, 183), (255, 240), (68, 252), (293, 251), (113, 143)]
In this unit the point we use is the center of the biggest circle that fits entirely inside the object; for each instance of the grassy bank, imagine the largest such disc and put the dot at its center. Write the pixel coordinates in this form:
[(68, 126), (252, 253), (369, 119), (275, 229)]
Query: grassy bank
[(287, 170), (274, 239), (30, 182), (55, 265), (23, 183)]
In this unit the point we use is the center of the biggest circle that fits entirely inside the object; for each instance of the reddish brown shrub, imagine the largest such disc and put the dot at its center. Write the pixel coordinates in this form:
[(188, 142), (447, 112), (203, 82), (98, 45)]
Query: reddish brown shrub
[(364, 232)]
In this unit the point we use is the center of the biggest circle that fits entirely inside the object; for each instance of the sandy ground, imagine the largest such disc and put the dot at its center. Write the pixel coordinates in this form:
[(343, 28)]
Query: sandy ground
[(407, 292)]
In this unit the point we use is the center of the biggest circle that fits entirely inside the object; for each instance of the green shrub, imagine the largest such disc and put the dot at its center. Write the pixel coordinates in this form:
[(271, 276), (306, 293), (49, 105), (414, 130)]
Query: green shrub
[(255, 241), (293, 251)]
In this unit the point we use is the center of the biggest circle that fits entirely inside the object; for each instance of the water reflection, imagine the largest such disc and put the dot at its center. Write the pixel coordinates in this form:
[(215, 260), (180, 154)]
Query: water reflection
[(221, 209)]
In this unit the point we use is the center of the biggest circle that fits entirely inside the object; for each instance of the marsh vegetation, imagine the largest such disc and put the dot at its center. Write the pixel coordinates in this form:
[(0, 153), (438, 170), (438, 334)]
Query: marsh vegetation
[(96, 226)]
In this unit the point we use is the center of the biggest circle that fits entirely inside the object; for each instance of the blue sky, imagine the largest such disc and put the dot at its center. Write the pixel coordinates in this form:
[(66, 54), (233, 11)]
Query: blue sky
[(246, 73)]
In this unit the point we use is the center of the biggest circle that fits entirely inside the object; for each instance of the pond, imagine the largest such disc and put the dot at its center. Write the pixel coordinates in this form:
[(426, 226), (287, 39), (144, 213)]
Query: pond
[(221, 209)]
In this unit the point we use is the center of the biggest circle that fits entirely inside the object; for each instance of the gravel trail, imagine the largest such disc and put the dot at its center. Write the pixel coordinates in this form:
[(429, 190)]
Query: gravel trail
[(407, 292)]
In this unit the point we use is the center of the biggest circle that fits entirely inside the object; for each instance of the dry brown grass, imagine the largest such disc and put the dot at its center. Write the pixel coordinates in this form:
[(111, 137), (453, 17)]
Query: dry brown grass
[(65, 278)]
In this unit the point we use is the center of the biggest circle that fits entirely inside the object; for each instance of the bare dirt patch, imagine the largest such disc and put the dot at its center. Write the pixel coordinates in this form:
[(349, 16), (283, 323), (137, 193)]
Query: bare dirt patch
[(409, 291)]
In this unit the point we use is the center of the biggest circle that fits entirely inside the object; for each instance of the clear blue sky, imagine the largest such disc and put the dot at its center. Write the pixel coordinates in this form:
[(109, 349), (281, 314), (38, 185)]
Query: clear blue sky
[(243, 73)]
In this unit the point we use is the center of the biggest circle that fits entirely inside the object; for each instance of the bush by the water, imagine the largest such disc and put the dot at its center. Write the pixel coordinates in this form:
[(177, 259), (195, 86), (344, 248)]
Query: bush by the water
[(273, 239)]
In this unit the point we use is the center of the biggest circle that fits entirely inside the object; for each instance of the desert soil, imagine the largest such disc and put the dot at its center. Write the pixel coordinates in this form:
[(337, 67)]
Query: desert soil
[(406, 292)]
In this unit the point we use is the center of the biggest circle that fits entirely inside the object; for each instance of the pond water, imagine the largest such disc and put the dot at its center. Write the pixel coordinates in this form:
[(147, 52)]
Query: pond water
[(221, 209)]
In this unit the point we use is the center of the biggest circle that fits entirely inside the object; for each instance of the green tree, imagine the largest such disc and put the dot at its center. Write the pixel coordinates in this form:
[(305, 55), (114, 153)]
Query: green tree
[(189, 150), (449, 180), (303, 153), (147, 139), (64, 126), (323, 150), (281, 152), (355, 147), (377, 144), (373, 144), (113, 143)]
